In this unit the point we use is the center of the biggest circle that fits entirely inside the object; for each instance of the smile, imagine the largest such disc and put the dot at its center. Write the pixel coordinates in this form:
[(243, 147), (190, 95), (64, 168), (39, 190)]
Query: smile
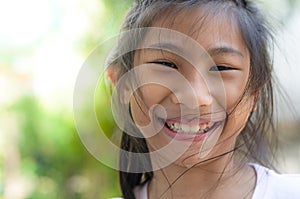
[(188, 128), (189, 131)]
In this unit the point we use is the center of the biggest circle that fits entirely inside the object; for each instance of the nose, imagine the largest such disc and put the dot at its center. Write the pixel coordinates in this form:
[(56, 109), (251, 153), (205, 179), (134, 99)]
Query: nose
[(194, 92)]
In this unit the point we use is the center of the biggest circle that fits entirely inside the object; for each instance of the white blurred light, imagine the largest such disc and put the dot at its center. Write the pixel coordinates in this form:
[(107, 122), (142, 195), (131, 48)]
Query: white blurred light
[(24, 22), (287, 65)]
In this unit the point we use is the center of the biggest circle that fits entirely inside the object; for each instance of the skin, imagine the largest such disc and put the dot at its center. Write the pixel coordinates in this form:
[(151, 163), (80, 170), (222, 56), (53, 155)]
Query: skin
[(234, 180)]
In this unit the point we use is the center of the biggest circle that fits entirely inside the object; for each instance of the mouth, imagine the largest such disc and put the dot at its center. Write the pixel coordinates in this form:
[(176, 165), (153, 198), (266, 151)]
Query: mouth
[(195, 131)]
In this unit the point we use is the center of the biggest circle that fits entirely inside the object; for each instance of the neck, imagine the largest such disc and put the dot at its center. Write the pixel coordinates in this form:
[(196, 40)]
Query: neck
[(214, 178)]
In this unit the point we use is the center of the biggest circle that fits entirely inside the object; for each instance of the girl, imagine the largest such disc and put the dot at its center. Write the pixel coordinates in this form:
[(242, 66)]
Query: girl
[(194, 98)]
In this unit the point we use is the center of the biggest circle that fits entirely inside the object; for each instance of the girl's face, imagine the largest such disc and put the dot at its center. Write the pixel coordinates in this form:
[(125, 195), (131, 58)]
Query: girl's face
[(191, 99)]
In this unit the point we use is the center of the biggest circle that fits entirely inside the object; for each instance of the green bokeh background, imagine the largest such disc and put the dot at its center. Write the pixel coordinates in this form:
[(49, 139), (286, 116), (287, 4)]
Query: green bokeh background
[(41, 151)]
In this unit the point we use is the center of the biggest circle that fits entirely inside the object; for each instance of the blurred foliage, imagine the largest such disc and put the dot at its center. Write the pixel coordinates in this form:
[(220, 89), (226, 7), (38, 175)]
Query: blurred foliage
[(55, 159), (106, 24)]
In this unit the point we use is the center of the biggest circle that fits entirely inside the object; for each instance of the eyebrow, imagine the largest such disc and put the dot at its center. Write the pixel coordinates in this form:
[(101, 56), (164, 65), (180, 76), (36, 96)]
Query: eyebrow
[(167, 46), (224, 50), (211, 51)]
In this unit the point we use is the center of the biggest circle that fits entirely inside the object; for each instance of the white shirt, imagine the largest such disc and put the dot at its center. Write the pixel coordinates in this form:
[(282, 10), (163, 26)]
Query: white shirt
[(269, 185)]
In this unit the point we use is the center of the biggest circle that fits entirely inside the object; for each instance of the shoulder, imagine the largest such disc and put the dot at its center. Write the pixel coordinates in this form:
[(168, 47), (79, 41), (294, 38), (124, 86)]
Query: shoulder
[(140, 192), (270, 184)]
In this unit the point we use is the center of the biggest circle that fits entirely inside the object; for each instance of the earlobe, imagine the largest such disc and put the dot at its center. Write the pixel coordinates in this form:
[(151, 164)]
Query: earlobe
[(112, 74), (254, 103)]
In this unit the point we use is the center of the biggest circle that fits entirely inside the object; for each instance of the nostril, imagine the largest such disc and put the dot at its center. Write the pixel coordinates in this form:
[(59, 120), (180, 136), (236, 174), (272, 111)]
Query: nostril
[(174, 98), (192, 99), (205, 100)]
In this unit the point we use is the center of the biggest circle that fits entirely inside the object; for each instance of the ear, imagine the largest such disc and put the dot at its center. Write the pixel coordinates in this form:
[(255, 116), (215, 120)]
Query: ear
[(254, 99), (112, 73), (124, 92)]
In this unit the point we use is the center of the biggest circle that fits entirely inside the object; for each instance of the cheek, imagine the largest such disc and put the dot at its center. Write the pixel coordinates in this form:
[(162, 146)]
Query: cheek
[(153, 94), (146, 98), (238, 117), (234, 92), (238, 109)]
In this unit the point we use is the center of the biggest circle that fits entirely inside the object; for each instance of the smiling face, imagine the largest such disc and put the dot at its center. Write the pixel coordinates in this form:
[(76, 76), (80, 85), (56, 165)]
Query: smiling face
[(192, 75)]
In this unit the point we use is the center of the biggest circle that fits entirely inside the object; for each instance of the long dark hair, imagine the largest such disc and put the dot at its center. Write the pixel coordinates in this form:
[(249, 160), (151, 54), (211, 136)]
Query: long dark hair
[(258, 138)]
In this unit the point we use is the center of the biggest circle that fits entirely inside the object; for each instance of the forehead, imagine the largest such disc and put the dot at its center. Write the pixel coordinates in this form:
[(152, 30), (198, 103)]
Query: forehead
[(204, 24)]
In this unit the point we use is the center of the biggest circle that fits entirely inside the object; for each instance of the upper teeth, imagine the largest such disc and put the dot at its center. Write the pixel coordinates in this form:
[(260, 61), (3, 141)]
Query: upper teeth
[(186, 128)]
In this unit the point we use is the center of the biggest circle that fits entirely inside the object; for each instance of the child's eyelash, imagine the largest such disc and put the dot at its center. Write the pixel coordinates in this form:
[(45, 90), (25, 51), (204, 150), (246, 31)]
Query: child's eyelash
[(221, 68), (172, 65), (165, 63)]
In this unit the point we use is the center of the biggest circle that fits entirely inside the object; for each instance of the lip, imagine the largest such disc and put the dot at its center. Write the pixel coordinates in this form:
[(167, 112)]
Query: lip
[(197, 137)]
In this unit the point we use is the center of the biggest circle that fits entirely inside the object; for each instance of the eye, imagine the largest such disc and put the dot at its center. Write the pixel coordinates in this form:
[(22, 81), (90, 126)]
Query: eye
[(221, 68), (166, 63)]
